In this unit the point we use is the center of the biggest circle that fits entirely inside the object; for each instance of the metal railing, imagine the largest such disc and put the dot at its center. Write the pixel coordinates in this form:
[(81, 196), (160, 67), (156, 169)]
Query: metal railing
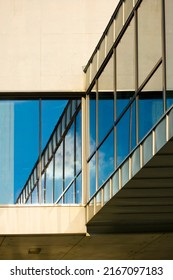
[(153, 141)]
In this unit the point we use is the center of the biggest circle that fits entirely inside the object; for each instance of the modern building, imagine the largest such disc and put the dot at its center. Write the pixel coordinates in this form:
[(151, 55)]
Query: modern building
[(102, 171)]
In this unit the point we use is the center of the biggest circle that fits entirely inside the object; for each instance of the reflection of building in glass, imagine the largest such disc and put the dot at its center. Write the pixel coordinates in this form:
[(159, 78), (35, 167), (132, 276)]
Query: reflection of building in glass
[(127, 93), (6, 153)]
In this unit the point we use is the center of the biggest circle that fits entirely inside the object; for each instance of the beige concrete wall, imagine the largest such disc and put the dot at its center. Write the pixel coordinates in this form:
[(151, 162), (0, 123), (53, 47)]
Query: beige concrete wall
[(42, 219), (44, 44)]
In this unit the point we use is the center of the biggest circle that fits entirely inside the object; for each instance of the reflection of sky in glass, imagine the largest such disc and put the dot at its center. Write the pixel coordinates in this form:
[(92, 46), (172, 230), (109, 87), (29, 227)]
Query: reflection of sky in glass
[(26, 137), (58, 172), (92, 176), (106, 159), (49, 183), (78, 143), (72, 165), (51, 111), (105, 115), (123, 137), (92, 124), (79, 189), (26, 141), (169, 95), (149, 113), (150, 110), (69, 156)]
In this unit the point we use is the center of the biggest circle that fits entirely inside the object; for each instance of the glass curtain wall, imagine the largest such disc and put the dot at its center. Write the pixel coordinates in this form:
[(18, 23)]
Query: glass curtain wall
[(129, 98), (60, 161), (19, 135)]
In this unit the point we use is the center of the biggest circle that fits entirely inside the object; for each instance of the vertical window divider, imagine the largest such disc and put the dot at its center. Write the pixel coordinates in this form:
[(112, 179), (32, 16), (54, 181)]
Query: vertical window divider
[(53, 191), (136, 74), (63, 167), (115, 104), (74, 196), (97, 132), (163, 30), (40, 149)]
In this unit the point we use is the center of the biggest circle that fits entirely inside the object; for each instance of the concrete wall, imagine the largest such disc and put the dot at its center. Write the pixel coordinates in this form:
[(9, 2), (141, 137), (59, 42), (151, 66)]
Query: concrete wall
[(45, 44), (42, 219)]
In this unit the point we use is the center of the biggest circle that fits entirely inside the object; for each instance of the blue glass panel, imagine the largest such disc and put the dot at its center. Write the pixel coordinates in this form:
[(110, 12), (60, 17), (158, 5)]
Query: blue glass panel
[(51, 111), (19, 122), (123, 137), (58, 189), (92, 176), (92, 122), (49, 183), (35, 196), (105, 114), (150, 110), (69, 156), (106, 159), (79, 189), (169, 96), (69, 195), (123, 99), (133, 125), (43, 187), (78, 143)]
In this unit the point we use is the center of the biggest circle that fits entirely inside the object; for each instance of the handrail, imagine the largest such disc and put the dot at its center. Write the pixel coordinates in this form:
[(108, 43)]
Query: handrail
[(129, 155)]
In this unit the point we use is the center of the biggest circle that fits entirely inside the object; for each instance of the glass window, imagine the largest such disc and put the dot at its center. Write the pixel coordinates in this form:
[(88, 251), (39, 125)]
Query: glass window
[(106, 100), (79, 189), (49, 182), (69, 196), (169, 96), (19, 122), (106, 159), (150, 103), (149, 34), (43, 187), (69, 156), (51, 111), (92, 176), (106, 114), (133, 125), (35, 195), (125, 70), (58, 172), (78, 143), (123, 137), (92, 122)]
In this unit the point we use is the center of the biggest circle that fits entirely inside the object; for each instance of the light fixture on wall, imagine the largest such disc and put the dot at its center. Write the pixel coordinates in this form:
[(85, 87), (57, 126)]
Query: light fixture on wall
[(34, 250)]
